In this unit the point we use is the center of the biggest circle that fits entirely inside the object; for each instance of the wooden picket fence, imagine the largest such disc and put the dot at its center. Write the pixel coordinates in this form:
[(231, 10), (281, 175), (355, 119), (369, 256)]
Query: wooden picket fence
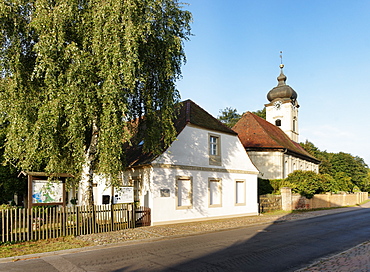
[(51, 222)]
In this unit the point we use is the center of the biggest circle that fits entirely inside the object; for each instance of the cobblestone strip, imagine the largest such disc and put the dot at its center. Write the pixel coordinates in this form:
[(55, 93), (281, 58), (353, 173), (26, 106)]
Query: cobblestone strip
[(356, 259)]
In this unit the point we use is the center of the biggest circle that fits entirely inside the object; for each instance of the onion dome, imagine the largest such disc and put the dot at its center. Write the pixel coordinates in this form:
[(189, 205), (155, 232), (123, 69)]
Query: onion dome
[(282, 90)]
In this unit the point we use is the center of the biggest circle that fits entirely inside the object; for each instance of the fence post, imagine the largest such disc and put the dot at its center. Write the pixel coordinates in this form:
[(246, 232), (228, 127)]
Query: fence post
[(30, 230), (112, 216), (286, 198), (96, 228)]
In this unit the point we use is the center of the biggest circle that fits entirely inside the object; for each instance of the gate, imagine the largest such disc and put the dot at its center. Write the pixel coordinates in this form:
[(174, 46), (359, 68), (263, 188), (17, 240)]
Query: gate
[(142, 217)]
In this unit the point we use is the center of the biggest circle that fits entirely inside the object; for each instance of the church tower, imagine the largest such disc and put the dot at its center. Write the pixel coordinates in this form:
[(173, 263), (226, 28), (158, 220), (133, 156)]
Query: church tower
[(282, 110)]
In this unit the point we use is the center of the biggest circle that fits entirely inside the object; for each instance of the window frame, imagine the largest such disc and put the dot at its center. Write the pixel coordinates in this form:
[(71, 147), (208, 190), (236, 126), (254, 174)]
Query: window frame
[(244, 193), (219, 181), (214, 159), (190, 194)]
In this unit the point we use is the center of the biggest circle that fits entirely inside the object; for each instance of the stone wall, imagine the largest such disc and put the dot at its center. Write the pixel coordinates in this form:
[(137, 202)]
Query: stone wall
[(269, 203), (288, 201), (327, 200)]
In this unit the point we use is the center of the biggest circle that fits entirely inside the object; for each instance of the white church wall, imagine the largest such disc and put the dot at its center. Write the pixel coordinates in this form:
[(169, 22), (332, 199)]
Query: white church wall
[(288, 116), (269, 163), (278, 165)]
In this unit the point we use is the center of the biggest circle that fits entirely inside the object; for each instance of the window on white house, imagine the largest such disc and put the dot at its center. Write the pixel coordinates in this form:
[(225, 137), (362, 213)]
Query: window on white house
[(213, 145), (184, 192), (240, 192), (214, 149), (215, 192), (278, 123)]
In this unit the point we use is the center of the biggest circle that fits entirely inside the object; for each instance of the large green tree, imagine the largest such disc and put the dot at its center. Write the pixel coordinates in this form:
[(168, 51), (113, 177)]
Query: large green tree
[(347, 170), (77, 70), (229, 116), (10, 184)]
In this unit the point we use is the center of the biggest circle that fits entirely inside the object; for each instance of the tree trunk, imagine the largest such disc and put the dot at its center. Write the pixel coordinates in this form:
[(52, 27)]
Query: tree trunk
[(86, 184)]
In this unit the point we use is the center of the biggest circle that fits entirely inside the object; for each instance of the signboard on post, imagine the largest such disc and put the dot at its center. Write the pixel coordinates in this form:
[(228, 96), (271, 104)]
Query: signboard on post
[(46, 189), (123, 195)]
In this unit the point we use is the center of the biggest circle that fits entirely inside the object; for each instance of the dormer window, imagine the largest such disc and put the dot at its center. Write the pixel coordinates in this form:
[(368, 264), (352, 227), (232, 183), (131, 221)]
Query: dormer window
[(278, 123)]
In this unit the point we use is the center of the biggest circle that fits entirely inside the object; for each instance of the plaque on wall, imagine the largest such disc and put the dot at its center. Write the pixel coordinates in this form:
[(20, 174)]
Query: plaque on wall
[(165, 192)]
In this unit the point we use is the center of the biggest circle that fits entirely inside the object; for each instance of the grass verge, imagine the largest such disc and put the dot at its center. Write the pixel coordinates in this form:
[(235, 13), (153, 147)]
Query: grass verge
[(32, 247)]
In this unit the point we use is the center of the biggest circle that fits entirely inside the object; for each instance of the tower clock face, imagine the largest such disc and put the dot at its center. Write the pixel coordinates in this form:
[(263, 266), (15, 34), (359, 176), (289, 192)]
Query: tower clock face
[(277, 105)]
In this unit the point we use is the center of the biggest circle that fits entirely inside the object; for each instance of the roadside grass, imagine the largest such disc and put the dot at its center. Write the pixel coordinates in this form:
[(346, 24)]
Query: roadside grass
[(32, 247)]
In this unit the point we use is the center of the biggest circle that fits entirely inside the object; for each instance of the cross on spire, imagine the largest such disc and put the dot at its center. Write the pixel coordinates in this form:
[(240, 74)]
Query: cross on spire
[(281, 60)]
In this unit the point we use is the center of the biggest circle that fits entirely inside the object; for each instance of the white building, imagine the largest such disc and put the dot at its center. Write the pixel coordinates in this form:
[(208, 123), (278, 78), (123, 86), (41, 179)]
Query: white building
[(272, 144), (204, 173)]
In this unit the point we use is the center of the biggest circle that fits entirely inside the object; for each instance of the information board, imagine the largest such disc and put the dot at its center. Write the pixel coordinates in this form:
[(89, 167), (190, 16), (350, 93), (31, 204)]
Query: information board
[(44, 191), (123, 195)]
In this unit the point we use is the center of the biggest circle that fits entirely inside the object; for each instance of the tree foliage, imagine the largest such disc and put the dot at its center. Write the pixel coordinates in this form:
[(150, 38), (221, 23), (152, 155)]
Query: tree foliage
[(347, 170), (261, 113), (229, 116), (9, 183), (308, 183), (75, 73)]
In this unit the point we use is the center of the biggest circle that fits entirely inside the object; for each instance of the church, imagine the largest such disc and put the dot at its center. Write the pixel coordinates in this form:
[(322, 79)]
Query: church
[(272, 144)]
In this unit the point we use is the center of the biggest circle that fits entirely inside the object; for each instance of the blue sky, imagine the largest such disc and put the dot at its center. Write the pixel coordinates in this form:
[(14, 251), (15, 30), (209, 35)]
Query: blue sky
[(233, 61)]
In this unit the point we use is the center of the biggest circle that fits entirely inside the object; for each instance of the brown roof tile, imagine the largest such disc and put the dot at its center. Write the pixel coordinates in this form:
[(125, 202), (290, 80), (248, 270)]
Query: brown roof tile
[(189, 113), (195, 115), (256, 133)]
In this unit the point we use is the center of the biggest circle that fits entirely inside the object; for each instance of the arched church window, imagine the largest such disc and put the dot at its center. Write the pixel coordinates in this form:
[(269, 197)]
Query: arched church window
[(278, 123), (294, 124)]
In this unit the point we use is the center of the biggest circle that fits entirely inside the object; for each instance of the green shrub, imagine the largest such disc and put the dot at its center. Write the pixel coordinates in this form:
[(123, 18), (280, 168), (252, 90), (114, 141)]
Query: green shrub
[(307, 183), (7, 207)]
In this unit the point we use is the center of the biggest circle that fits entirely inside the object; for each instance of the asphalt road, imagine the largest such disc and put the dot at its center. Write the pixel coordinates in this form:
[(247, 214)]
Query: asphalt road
[(282, 246)]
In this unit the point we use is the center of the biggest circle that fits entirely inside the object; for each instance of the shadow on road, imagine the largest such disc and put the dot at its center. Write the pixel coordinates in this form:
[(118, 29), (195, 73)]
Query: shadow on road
[(280, 246)]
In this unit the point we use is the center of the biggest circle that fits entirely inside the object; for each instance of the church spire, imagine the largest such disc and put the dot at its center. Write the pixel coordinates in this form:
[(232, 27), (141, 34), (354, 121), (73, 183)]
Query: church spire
[(282, 91), (281, 78), (282, 109)]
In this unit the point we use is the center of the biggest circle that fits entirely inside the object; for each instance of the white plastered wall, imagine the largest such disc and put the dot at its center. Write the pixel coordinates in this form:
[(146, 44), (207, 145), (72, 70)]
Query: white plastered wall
[(188, 157), (286, 113), (278, 165), (269, 164)]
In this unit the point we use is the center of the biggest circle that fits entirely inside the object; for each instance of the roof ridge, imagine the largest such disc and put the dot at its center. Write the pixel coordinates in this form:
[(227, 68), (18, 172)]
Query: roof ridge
[(262, 123), (296, 144), (226, 129)]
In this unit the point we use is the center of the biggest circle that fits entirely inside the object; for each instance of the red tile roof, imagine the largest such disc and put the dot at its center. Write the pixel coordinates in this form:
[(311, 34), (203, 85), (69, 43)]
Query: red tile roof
[(256, 134)]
